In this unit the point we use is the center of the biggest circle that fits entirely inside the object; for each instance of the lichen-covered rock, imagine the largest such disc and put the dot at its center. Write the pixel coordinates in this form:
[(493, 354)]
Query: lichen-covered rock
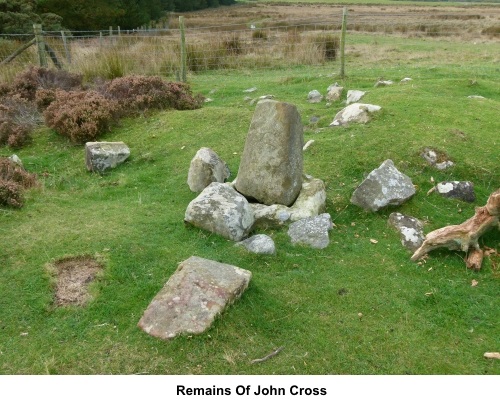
[(102, 156), (222, 210), (206, 167), (271, 165), (259, 244), (384, 186), (193, 297), (355, 113), (461, 190), (411, 230), (312, 231)]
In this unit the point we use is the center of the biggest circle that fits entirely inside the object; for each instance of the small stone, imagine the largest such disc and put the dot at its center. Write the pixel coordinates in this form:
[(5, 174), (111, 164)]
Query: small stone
[(382, 83), (15, 159), (314, 96), (334, 92), (259, 244)]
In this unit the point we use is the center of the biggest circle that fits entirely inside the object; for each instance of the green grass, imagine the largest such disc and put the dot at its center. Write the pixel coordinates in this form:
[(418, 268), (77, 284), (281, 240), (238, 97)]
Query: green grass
[(305, 300)]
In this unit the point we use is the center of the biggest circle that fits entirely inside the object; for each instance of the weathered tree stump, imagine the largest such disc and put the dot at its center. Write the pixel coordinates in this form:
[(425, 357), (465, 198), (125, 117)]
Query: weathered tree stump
[(466, 235)]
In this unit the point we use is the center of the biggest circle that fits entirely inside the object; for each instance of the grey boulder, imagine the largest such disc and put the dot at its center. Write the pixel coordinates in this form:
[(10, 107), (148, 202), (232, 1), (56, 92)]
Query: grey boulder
[(102, 156), (355, 113), (222, 210), (312, 232), (384, 186), (206, 167)]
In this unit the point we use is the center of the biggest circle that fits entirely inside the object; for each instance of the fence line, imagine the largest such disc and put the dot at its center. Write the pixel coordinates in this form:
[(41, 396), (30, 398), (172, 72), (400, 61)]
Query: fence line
[(278, 44)]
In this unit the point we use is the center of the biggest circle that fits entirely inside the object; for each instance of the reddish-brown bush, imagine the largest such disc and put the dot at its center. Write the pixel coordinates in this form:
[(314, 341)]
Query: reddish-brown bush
[(80, 115), (43, 98), (18, 117), (13, 180), (138, 93), (11, 194), (29, 81), (10, 171)]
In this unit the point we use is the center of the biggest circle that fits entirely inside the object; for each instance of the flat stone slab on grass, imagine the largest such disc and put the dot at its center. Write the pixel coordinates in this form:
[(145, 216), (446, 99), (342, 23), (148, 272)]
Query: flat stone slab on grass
[(102, 156), (198, 291)]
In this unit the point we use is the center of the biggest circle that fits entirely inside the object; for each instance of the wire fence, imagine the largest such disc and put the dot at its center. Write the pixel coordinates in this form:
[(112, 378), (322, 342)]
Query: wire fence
[(269, 45)]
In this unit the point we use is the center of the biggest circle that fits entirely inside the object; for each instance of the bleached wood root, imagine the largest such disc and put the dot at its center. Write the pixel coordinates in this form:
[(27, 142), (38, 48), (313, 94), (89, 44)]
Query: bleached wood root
[(466, 235), (474, 259)]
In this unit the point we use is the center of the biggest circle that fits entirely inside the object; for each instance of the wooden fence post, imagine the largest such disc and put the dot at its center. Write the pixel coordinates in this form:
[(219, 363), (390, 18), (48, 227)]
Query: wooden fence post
[(40, 44), (342, 43), (67, 51), (183, 66)]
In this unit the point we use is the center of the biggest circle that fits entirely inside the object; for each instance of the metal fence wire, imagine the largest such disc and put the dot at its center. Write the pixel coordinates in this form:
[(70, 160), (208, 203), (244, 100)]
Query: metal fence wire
[(282, 44)]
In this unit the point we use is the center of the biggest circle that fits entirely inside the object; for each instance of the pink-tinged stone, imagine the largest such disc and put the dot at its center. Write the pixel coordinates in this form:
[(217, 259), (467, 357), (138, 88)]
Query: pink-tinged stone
[(193, 297)]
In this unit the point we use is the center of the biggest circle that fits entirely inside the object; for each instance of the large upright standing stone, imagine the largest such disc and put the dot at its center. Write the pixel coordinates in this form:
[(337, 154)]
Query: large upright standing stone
[(271, 166)]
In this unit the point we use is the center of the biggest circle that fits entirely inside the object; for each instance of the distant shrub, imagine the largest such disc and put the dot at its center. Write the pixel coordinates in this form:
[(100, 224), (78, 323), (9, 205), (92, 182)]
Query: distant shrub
[(44, 97), (493, 31), (259, 35), (138, 93), (27, 83), (328, 45), (18, 117), (82, 116), (13, 180), (11, 194), (233, 45), (10, 171)]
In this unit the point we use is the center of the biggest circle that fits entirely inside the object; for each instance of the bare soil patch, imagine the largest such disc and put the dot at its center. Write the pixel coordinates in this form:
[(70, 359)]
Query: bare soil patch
[(73, 275)]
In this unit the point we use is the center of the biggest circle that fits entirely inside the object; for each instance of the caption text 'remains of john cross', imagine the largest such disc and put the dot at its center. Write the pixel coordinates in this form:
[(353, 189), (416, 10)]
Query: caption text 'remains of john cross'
[(249, 390)]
